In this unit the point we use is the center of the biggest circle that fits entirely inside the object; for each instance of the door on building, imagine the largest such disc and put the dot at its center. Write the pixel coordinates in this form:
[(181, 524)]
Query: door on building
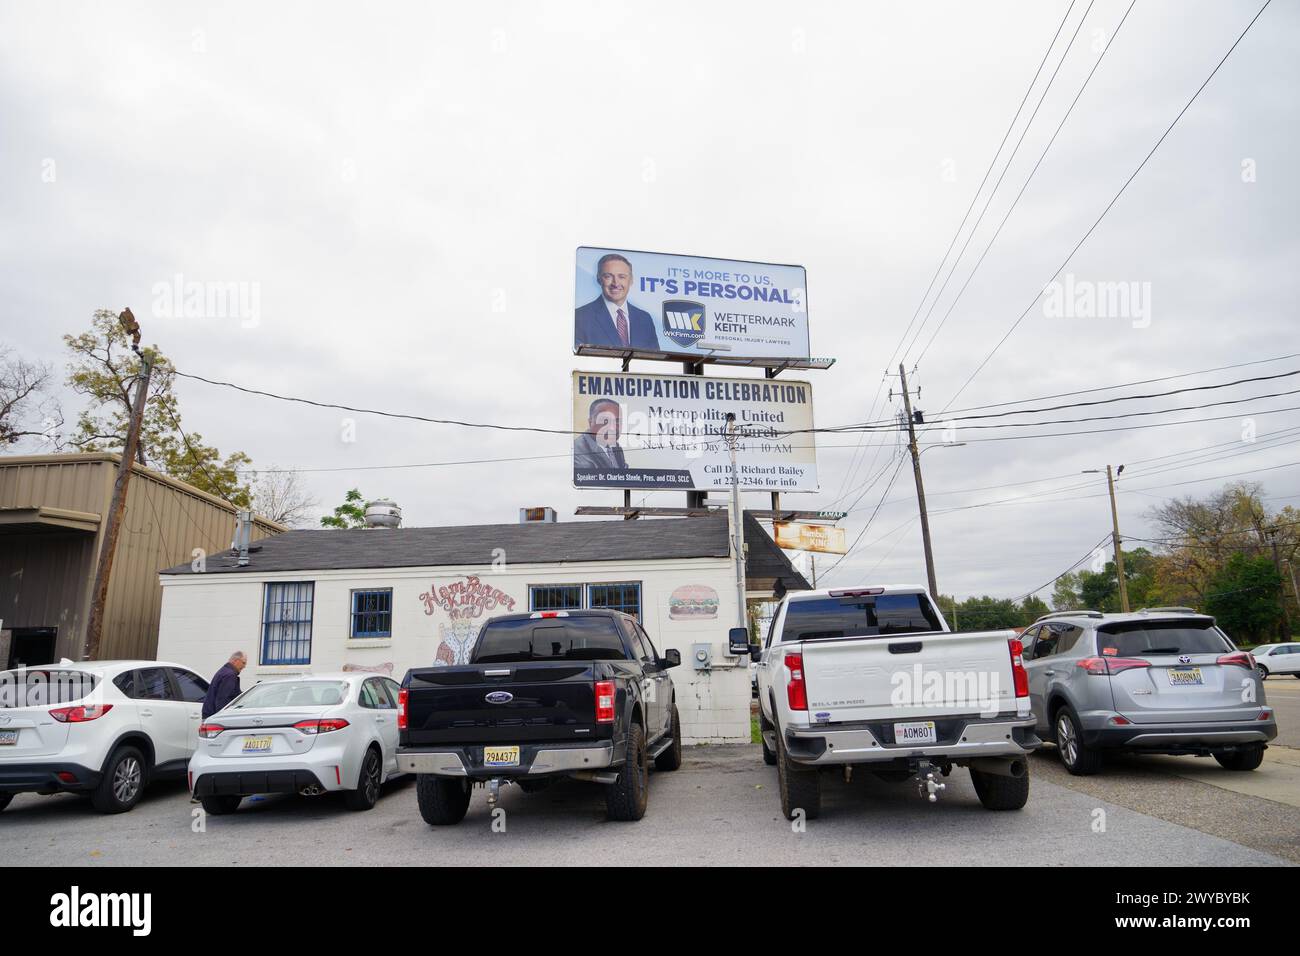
[(31, 646)]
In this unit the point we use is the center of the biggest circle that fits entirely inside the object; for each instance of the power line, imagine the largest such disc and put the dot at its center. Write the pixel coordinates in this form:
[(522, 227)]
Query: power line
[(1109, 206)]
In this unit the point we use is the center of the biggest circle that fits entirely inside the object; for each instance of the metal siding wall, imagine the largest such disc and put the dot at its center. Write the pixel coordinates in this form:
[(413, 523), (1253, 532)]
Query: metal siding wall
[(42, 579)]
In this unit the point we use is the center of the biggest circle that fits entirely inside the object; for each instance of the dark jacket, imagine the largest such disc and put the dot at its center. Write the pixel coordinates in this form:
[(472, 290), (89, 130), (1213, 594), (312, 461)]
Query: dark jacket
[(223, 689), (593, 326), (589, 456)]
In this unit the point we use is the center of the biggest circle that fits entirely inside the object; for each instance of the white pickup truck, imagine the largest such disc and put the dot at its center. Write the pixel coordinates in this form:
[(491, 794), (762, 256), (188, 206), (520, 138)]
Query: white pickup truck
[(873, 676)]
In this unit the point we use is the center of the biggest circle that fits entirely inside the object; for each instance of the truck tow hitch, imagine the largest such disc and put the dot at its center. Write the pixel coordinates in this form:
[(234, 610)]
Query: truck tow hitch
[(928, 783), (493, 792)]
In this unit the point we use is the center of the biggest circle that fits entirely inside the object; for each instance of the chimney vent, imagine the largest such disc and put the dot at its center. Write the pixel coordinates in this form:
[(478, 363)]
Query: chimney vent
[(383, 514)]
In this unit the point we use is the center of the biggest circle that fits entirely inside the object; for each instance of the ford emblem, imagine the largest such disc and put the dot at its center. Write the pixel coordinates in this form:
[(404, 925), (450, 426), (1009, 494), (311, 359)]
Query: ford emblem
[(499, 697)]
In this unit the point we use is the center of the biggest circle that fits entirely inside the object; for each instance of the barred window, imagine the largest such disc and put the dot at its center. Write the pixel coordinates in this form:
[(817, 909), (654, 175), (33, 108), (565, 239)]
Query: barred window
[(625, 597), (286, 622), (372, 613), (555, 597)]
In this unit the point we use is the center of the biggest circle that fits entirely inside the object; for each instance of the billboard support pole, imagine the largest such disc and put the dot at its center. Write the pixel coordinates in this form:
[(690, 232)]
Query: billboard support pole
[(737, 524)]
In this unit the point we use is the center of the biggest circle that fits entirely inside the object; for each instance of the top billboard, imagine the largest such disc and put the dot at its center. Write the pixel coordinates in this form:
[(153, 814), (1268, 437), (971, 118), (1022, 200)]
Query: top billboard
[(689, 307)]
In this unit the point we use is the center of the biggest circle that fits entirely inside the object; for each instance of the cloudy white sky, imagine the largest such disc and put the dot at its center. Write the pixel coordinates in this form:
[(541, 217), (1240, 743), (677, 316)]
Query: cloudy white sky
[(405, 185)]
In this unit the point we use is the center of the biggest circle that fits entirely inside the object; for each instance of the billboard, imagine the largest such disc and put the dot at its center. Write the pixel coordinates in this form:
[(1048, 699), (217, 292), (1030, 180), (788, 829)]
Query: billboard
[(795, 536), (688, 306), (633, 430)]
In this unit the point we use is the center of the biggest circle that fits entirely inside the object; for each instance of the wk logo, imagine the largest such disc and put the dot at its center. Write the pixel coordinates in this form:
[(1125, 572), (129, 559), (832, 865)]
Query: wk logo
[(683, 321)]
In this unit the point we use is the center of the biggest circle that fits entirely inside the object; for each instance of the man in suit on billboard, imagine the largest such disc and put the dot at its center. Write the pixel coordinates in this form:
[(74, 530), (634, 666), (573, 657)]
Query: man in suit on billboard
[(610, 320), (597, 449)]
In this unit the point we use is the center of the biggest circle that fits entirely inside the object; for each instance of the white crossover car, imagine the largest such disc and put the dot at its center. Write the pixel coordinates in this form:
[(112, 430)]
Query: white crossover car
[(104, 728), (1277, 659), (307, 735)]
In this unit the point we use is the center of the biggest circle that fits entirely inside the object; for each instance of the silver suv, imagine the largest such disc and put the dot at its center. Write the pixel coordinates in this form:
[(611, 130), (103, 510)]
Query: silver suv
[(1165, 680)]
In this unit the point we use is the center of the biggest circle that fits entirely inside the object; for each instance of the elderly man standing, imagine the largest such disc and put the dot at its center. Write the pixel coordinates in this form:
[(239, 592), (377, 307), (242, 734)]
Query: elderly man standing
[(225, 684)]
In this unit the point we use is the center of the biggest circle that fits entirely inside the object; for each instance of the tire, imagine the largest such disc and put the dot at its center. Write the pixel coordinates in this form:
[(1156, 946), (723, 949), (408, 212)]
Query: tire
[(627, 799), (443, 801), (1078, 758), (370, 779), (125, 776), (671, 758), (221, 804), (1247, 759), (1263, 671), (5, 799), (801, 788), (997, 792), (769, 757)]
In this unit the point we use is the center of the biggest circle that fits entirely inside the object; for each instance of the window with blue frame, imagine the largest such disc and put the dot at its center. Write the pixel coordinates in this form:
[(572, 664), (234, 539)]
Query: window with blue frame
[(625, 597), (286, 622), (372, 613), (554, 597)]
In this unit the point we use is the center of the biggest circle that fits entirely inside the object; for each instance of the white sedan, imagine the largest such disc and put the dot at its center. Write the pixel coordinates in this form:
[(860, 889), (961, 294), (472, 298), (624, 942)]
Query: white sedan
[(1277, 659), (307, 735)]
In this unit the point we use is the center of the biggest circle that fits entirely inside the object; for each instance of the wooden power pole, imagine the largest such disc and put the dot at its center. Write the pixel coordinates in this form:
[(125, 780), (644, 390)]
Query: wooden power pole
[(1119, 551), (920, 486), (113, 526)]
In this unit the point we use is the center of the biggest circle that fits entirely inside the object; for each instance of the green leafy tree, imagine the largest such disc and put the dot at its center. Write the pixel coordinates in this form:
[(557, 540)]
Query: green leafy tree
[(1032, 608), (350, 514), (1245, 598), (104, 369), (1065, 594)]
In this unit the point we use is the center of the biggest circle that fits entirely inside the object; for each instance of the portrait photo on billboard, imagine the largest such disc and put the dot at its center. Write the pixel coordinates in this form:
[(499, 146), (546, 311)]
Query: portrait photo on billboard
[(688, 306)]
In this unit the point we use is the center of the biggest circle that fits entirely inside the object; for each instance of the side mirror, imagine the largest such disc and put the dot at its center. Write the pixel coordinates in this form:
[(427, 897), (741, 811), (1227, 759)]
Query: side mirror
[(672, 658), (755, 653), (738, 641)]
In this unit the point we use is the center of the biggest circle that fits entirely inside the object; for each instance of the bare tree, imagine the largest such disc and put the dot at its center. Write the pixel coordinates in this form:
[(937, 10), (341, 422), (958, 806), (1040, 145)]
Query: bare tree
[(26, 408), (281, 496)]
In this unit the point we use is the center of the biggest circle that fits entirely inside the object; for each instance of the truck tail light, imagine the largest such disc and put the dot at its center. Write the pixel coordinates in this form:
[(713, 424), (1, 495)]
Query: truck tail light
[(402, 696), (604, 701), (80, 713), (208, 731), (795, 689), (325, 725), (1103, 666), (1018, 672), (1240, 659)]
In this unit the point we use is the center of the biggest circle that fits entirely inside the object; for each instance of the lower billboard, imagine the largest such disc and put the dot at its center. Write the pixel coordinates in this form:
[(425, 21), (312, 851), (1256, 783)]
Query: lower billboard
[(666, 432)]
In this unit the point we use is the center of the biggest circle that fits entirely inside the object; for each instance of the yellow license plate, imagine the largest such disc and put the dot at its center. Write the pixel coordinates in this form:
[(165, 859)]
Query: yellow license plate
[(1183, 676), (501, 756), (257, 745)]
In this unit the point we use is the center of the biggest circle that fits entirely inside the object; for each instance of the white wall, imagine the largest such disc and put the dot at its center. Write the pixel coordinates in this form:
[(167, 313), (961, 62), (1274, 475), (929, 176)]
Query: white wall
[(205, 618)]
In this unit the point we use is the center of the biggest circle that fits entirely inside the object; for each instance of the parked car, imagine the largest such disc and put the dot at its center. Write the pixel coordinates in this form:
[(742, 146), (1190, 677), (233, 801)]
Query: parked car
[(838, 677), (1277, 659), (1160, 681), (550, 694), (307, 735), (103, 728)]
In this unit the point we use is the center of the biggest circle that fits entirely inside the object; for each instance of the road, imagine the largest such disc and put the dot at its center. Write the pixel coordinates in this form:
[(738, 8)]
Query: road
[(1283, 695), (720, 808)]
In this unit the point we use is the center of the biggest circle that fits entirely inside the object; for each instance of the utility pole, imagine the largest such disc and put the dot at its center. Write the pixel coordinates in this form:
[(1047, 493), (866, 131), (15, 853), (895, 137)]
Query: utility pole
[(1285, 622), (113, 526), (1119, 550), (737, 525), (920, 486)]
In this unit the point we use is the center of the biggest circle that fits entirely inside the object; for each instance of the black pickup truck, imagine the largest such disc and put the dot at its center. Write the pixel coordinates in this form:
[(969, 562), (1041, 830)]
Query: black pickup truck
[(550, 694)]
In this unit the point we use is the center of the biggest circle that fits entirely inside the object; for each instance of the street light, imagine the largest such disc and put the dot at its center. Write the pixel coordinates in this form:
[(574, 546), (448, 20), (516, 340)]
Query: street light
[(1114, 520), (944, 444)]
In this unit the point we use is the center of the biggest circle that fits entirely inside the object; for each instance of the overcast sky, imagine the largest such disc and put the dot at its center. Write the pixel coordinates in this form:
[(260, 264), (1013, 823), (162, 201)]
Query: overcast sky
[(403, 187)]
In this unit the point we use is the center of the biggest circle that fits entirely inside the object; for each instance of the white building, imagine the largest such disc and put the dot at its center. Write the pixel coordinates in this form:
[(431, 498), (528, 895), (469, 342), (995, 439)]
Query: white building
[(395, 598)]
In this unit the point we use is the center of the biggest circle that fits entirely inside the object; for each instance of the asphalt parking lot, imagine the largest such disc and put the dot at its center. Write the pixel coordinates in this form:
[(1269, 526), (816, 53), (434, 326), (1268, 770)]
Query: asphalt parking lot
[(720, 808)]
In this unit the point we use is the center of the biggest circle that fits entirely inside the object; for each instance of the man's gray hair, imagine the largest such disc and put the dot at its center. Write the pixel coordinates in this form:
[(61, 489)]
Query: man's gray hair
[(239, 656)]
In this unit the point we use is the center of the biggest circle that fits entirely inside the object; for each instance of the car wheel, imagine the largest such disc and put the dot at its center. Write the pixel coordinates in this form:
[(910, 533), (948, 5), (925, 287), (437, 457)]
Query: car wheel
[(443, 801), (997, 792), (5, 799), (627, 798), (123, 782), (1246, 759), (219, 805), (671, 758), (801, 788), (1080, 759), (372, 774), (1263, 671)]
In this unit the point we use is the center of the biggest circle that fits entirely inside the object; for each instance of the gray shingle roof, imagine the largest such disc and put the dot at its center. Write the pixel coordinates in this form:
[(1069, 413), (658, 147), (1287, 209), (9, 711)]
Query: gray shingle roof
[(327, 549)]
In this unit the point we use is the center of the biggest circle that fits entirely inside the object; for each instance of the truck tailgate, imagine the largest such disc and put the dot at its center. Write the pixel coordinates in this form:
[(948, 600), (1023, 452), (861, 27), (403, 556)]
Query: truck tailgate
[(518, 702), (897, 677)]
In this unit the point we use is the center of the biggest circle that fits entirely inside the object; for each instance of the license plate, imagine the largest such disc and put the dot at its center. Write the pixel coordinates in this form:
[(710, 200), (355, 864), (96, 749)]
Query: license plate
[(1184, 676), (918, 732), (501, 756), (257, 745), (8, 738)]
